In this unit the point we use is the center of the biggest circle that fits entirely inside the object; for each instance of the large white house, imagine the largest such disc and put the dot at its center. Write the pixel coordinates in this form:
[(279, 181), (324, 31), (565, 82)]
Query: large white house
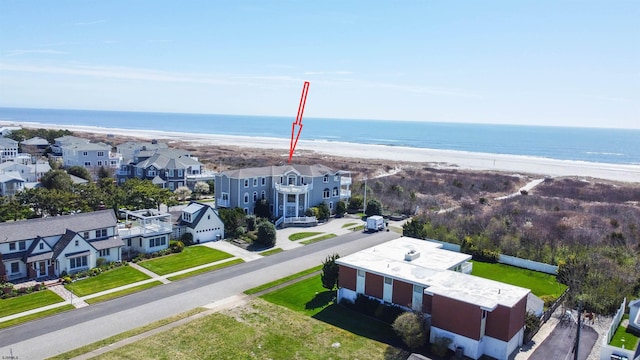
[(45, 247), (201, 221)]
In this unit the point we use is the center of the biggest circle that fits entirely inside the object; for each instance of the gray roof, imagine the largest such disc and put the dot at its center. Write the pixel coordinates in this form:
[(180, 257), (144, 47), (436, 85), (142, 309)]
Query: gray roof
[(11, 176), (58, 225), (37, 141), (87, 146), (8, 143), (304, 170), (68, 140), (162, 161), (39, 257), (107, 243)]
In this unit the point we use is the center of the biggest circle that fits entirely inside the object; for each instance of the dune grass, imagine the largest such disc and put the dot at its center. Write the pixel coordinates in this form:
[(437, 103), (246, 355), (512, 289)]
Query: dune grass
[(191, 256), (114, 278)]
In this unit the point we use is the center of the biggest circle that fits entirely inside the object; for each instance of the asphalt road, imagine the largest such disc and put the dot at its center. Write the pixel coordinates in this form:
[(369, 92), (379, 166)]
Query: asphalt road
[(66, 331), (559, 344)]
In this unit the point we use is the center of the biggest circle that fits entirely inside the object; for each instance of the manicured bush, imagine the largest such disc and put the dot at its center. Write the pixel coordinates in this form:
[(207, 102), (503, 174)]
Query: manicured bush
[(176, 246), (374, 308), (187, 239), (410, 327)]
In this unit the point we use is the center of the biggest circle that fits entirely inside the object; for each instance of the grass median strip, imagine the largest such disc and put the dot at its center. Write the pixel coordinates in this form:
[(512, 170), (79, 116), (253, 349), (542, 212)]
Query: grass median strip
[(124, 292), (303, 235), (319, 238), (125, 335), (271, 252), (191, 256), (107, 280), (349, 225), (38, 315), (206, 269), (27, 302), (283, 280)]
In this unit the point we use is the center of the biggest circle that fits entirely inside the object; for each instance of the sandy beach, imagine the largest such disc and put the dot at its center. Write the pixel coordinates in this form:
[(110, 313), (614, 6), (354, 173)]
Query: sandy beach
[(434, 157)]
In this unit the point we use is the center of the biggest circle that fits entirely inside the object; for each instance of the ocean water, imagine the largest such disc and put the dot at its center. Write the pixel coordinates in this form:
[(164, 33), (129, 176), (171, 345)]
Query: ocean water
[(618, 146)]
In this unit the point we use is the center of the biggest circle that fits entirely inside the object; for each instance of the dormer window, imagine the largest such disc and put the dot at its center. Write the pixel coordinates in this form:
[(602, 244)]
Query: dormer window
[(325, 179), (186, 216)]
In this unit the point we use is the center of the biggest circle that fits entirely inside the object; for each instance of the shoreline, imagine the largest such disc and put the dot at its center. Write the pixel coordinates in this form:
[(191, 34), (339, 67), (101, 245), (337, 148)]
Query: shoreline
[(436, 157)]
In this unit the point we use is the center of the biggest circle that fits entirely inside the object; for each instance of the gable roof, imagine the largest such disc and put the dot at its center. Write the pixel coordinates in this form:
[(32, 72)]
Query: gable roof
[(37, 141), (8, 143), (59, 247), (57, 225), (304, 170), (107, 243), (199, 209), (164, 161), (11, 176)]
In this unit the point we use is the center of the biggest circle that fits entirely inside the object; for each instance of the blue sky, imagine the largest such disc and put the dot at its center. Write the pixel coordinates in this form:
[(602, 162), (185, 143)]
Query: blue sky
[(571, 63)]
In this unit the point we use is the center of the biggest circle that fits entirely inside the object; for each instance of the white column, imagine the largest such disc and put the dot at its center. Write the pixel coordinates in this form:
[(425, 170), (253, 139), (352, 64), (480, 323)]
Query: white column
[(297, 201)]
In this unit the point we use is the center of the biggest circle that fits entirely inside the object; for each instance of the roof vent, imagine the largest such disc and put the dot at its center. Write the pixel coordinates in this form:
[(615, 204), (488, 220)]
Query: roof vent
[(411, 255)]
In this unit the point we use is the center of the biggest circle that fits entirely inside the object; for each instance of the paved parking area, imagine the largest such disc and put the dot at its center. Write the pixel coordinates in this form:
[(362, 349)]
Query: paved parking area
[(559, 344)]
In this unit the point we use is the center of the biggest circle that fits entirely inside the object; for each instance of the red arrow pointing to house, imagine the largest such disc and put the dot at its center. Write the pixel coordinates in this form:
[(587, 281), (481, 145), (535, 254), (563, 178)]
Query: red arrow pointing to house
[(298, 122)]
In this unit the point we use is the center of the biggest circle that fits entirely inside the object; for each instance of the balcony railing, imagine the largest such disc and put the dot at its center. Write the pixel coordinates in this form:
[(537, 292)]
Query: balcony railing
[(345, 181), (300, 220), (345, 194), (135, 228), (220, 202), (293, 189)]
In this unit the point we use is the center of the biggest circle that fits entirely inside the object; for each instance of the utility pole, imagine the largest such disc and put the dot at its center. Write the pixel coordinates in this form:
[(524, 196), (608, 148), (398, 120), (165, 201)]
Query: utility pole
[(576, 346), (365, 195)]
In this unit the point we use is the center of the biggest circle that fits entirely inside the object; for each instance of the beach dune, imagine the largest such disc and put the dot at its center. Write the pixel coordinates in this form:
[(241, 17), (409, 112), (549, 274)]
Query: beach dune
[(434, 157)]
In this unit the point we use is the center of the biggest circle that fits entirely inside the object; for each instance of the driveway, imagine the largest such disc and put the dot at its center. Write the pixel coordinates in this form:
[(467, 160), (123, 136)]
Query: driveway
[(559, 343)]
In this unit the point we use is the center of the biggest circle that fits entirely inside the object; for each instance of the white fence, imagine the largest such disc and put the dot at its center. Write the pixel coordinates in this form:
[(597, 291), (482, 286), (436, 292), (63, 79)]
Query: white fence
[(607, 351), (508, 260), (528, 264)]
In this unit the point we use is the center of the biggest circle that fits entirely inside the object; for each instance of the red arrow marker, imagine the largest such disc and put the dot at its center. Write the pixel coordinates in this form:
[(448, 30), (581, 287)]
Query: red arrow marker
[(303, 101)]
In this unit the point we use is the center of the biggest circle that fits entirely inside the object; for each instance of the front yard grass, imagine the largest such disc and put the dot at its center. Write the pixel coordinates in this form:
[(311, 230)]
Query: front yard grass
[(303, 235), (191, 256), (623, 337), (107, 280), (541, 284), (27, 302), (283, 280), (206, 269)]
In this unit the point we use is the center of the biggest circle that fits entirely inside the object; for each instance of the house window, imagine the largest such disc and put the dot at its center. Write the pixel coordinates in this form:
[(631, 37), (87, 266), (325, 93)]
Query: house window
[(262, 194), (101, 233), (171, 186), (105, 252), (78, 262), (246, 183), (22, 245), (291, 180), (87, 163), (186, 216), (151, 172), (246, 198), (255, 196), (84, 153), (113, 162), (171, 172), (263, 181), (100, 153), (325, 179), (246, 210), (336, 178), (330, 205), (77, 243), (159, 241), (99, 162), (12, 246), (336, 192), (255, 182), (41, 246), (15, 267), (325, 193), (180, 173), (85, 235)]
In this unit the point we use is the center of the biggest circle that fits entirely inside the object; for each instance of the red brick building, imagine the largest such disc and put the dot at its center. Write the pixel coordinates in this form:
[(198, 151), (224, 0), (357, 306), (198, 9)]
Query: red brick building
[(481, 316)]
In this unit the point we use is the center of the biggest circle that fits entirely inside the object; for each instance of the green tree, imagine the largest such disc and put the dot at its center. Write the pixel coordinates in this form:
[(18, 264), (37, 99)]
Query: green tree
[(262, 209), (410, 328), (104, 173), (374, 207), (12, 210), (266, 234), (323, 211), (329, 275), (182, 193), (341, 208), (232, 219), (212, 186), (56, 179), (356, 203), (80, 172)]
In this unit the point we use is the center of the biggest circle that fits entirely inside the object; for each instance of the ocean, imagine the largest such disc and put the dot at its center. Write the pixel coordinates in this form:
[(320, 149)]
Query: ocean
[(617, 146)]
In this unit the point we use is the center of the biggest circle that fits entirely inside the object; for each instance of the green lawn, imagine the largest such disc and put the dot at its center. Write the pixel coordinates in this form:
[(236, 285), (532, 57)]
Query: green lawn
[(121, 293), (107, 280), (541, 284), (38, 315), (349, 224), (191, 256), (271, 252), (207, 269), (319, 238), (31, 301), (622, 337), (303, 235)]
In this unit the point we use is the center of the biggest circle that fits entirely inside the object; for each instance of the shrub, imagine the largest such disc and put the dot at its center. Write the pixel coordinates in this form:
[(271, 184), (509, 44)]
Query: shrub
[(266, 234), (66, 280), (187, 239), (176, 246), (240, 231), (101, 262), (341, 209), (251, 222), (374, 308), (440, 345), (548, 300), (323, 211), (410, 328)]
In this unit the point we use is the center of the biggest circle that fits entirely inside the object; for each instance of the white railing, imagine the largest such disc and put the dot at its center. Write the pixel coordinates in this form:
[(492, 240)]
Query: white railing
[(467, 268), (345, 193), (279, 221), (293, 189), (134, 229), (345, 181), (220, 202), (300, 220)]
